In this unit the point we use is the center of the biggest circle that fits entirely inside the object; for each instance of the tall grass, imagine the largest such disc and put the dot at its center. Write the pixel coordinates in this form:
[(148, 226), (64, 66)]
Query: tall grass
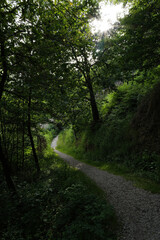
[(114, 141), (61, 204)]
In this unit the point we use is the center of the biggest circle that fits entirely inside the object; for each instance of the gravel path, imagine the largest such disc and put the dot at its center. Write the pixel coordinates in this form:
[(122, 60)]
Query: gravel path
[(137, 209)]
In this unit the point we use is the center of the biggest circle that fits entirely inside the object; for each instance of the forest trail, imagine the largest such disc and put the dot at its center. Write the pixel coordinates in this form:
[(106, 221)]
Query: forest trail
[(137, 209)]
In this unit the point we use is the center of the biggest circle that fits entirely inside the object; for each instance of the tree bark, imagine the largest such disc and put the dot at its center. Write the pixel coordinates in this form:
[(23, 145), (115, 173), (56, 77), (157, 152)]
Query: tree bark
[(86, 74), (3, 159), (23, 143), (31, 137), (94, 108), (6, 170), (4, 67)]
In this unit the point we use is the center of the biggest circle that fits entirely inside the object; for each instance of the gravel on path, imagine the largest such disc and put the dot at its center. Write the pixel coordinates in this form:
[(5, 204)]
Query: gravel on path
[(137, 209)]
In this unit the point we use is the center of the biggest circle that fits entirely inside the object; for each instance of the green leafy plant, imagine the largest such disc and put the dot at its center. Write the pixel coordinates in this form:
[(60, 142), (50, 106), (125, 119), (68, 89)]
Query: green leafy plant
[(62, 204)]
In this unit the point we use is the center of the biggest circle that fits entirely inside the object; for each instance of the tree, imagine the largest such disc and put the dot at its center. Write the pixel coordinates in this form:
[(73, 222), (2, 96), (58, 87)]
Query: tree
[(75, 42), (7, 27), (37, 39), (138, 37)]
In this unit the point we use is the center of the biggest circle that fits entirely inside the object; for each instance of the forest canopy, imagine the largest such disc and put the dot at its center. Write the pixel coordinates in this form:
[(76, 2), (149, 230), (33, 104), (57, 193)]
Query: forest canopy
[(53, 69), (100, 91)]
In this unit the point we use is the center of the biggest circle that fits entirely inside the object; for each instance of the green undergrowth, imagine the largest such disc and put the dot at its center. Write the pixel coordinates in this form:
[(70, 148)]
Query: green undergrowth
[(126, 141), (140, 178), (61, 204)]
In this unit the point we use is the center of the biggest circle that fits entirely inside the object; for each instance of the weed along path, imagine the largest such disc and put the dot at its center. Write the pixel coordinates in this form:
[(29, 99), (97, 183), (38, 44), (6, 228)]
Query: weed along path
[(137, 209)]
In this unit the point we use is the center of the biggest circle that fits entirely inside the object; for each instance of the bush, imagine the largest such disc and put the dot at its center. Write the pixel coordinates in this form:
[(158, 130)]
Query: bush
[(83, 216), (59, 205), (116, 140)]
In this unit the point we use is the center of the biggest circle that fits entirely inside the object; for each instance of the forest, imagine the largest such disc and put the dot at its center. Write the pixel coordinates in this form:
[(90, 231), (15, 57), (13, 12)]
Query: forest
[(98, 91)]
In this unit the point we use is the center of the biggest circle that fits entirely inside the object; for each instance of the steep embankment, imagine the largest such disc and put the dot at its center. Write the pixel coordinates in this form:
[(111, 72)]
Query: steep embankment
[(146, 121), (137, 209)]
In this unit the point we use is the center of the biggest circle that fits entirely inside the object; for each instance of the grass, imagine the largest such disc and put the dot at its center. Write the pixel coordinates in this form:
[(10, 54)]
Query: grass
[(81, 177), (118, 169), (62, 203), (71, 176)]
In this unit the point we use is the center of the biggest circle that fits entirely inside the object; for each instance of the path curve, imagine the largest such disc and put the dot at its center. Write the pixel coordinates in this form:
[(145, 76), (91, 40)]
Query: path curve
[(137, 209)]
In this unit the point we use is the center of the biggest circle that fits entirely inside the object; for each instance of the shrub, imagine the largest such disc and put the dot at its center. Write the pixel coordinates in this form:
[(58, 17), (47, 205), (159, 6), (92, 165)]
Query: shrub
[(59, 205)]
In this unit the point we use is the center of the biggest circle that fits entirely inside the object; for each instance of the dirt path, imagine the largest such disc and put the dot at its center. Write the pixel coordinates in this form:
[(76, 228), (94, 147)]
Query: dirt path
[(137, 209)]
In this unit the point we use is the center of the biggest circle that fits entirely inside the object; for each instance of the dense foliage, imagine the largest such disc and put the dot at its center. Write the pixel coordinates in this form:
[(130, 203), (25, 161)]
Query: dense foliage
[(55, 74), (61, 204), (41, 43), (128, 76), (121, 138)]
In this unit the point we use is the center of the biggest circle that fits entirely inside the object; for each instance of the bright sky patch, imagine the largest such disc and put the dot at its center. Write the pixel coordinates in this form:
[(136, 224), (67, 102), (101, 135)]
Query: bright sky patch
[(109, 14)]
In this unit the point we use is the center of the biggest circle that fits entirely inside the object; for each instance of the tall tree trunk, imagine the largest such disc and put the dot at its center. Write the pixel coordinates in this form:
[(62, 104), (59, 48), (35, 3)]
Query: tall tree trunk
[(86, 73), (95, 112), (23, 144), (6, 170), (3, 159), (4, 67), (23, 132), (31, 137), (17, 143)]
